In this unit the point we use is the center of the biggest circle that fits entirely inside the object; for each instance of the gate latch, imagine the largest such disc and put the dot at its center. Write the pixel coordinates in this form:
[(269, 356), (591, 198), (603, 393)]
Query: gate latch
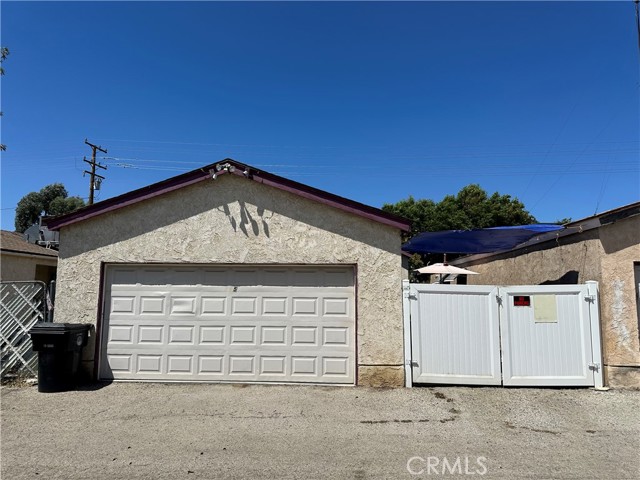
[(414, 364), (594, 366)]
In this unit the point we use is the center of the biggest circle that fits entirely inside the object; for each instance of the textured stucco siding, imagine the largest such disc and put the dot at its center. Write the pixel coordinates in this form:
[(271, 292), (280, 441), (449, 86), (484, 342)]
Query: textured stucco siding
[(545, 265), (18, 268), (607, 255), (618, 306), (237, 221)]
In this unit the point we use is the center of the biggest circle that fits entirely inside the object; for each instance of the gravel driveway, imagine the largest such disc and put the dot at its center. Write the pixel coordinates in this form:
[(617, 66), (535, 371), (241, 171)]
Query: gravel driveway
[(191, 431)]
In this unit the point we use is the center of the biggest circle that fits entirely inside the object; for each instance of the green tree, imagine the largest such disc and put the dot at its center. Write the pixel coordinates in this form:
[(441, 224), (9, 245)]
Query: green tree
[(420, 212), (60, 205), (49, 193), (4, 52), (28, 210), (50, 200), (470, 208)]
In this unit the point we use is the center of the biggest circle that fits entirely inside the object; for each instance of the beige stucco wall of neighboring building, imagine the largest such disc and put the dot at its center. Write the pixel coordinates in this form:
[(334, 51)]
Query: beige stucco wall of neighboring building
[(618, 301), (19, 268), (235, 220), (606, 255), (549, 264)]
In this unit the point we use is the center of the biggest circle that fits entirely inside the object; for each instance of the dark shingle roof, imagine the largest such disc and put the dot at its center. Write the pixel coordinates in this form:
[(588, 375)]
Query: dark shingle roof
[(14, 242)]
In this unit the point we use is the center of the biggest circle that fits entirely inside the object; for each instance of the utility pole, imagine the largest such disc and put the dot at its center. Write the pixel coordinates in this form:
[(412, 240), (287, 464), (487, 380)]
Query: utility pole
[(92, 185)]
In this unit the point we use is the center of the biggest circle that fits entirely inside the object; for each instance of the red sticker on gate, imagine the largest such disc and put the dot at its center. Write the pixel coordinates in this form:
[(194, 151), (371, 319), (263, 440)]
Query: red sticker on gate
[(522, 301)]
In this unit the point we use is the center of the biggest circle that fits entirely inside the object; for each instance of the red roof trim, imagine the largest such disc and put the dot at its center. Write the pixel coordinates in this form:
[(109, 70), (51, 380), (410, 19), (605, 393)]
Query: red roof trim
[(129, 198), (204, 173)]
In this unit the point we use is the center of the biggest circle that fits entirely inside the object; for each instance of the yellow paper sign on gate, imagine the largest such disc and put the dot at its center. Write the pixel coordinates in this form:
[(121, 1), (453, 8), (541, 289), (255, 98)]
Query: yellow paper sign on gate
[(545, 309)]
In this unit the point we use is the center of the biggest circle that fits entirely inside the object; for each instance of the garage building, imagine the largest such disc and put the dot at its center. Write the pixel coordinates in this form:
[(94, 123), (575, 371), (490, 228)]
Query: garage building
[(231, 274)]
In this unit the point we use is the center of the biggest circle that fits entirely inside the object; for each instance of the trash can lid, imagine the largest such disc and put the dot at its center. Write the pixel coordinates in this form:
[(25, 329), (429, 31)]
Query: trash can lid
[(50, 327)]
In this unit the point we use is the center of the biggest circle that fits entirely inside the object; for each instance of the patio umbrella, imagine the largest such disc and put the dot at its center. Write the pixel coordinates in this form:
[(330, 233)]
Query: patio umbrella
[(443, 268)]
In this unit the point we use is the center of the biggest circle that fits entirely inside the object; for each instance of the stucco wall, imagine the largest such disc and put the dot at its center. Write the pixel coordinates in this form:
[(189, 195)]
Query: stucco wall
[(618, 307), (235, 220), (21, 267), (607, 255), (567, 262)]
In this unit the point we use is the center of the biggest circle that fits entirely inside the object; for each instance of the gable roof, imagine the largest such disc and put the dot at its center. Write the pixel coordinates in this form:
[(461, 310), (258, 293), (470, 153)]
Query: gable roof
[(226, 167), (13, 242)]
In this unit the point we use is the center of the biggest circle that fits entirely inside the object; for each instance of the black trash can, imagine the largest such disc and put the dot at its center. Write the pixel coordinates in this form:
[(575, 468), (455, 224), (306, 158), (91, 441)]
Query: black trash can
[(59, 347)]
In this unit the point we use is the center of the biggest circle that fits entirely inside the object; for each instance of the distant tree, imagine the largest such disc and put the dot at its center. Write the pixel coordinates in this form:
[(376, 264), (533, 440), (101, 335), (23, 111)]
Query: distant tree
[(470, 208), (49, 193), (50, 200), (28, 211), (563, 221), (60, 206), (4, 53), (422, 214)]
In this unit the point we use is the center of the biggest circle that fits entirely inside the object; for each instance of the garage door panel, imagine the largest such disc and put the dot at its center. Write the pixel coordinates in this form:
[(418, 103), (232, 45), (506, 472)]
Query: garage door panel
[(182, 305), (123, 305), (212, 335), (121, 334), (211, 365), (213, 305), (180, 335), (274, 330), (277, 335), (335, 366), (242, 306), (274, 306), (152, 305), (230, 367), (149, 363), (120, 363)]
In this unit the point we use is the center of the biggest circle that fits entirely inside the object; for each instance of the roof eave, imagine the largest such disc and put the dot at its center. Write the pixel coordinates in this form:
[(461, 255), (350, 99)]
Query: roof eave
[(10, 251), (206, 173)]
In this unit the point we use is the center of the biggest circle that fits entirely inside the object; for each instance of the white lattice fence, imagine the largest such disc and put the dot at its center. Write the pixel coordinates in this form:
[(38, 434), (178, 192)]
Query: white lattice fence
[(22, 304)]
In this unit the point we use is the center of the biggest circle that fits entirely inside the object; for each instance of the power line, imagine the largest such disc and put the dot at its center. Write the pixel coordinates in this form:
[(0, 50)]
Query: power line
[(628, 167), (555, 142), (572, 164), (203, 144)]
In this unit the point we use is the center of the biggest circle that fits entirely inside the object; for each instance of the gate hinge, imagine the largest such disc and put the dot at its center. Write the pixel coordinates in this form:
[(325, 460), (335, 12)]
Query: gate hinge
[(414, 364), (594, 366), (590, 298), (407, 293)]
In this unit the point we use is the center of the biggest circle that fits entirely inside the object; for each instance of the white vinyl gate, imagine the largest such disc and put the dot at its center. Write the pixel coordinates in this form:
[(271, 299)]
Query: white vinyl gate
[(514, 336)]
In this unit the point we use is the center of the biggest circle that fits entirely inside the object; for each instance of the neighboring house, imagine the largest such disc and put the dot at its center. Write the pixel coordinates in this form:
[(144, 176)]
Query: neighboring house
[(605, 248), (24, 261), (228, 273)]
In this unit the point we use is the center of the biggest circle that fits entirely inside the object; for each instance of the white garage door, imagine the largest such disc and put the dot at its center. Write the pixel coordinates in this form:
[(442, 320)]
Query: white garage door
[(229, 323)]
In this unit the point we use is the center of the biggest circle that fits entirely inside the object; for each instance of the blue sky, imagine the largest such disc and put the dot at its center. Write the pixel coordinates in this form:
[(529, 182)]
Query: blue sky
[(371, 101)]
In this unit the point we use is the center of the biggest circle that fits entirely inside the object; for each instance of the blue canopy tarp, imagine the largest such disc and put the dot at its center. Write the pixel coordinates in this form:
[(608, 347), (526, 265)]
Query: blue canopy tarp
[(482, 240)]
